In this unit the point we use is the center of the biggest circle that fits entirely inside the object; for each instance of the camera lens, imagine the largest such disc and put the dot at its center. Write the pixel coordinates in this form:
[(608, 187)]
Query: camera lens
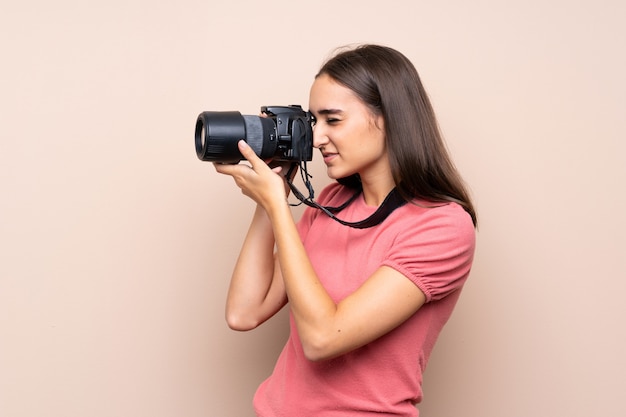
[(217, 134)]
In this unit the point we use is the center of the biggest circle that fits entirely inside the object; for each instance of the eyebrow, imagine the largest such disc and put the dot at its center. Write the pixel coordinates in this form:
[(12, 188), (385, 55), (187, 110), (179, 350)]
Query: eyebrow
[(329, 111)]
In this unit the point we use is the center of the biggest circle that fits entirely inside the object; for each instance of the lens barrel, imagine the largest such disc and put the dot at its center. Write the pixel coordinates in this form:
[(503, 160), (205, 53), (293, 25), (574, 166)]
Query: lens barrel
[(217, 134)]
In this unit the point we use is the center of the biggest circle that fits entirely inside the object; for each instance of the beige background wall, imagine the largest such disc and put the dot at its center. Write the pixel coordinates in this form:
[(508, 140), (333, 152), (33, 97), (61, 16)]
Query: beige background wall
[(116, 243)]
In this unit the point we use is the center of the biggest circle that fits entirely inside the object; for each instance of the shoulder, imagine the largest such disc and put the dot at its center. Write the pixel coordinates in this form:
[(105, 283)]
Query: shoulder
[(434, 227), (428, 216), (433, 244), (334, 193)]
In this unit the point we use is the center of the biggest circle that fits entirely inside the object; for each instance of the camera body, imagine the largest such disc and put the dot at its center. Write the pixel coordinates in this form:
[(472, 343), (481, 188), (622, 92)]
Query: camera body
[(285, 134)]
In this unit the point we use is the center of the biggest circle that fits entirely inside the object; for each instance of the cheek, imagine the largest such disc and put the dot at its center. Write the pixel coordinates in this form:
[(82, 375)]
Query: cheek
[(374, 141), (367, 150)]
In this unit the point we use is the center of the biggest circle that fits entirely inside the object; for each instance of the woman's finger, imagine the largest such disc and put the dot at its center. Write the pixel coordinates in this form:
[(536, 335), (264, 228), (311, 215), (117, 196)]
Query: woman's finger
[(248, 153)]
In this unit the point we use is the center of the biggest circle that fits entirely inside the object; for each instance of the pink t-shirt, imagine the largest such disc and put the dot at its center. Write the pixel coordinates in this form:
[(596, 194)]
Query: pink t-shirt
[(432, 244)]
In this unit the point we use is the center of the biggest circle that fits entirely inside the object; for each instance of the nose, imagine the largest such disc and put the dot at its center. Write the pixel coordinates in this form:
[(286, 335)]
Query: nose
[(319, 137)]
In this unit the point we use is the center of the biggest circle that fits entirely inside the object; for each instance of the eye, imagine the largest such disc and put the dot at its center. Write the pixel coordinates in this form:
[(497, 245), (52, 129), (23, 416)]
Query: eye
[(331, 121), (312, 119)]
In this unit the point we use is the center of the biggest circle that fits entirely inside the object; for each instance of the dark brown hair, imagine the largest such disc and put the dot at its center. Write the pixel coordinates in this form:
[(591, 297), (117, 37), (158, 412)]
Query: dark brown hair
[(388, 83)]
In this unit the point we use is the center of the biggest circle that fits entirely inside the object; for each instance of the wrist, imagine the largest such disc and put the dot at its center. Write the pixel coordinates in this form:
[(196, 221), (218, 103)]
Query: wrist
[(278, 210)]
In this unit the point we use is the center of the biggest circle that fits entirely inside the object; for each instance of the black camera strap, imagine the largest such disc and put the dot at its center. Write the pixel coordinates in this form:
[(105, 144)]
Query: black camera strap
[(391, 202)]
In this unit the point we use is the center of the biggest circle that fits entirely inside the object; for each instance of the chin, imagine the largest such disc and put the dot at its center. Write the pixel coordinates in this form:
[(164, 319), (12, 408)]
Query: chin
[(333, 174), (336, 174)]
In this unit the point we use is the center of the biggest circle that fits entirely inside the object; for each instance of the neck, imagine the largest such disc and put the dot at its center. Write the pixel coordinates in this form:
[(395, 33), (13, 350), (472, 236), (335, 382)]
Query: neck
[(375, 191)]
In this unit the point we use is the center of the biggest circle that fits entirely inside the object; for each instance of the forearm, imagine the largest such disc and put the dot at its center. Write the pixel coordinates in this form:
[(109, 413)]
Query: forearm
[(312, 308), (253, 295)]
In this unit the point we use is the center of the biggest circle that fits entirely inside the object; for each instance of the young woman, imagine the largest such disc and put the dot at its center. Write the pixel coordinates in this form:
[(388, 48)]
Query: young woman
[(366, 305)]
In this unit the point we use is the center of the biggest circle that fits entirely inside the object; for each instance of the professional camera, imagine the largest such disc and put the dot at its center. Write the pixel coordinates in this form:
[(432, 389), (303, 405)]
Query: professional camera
[(286, 134)]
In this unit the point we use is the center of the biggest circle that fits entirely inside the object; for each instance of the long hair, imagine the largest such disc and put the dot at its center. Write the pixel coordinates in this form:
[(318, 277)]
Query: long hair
[(388, 83)]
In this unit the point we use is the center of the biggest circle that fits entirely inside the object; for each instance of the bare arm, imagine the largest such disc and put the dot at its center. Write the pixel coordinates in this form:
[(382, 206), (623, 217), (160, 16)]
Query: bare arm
[(256, 289), (326, 329)]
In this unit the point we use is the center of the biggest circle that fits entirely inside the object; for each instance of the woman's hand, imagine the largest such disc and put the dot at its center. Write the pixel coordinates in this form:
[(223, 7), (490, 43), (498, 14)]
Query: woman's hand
[(262, 183)]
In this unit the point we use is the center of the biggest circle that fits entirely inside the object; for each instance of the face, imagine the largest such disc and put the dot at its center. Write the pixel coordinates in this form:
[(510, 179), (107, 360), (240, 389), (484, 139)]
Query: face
[(350, 137)]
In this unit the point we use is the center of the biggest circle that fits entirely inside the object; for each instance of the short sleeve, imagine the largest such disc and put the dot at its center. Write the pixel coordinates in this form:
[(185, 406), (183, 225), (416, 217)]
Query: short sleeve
[(434, 248)]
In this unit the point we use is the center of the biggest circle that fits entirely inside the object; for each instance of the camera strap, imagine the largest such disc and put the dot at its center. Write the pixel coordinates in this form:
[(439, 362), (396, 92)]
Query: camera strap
[(391, 202)]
